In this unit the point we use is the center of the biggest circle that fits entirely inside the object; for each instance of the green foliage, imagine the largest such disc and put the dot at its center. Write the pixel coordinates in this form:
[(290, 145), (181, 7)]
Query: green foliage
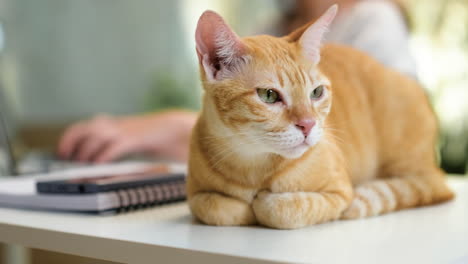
[(170, 91)]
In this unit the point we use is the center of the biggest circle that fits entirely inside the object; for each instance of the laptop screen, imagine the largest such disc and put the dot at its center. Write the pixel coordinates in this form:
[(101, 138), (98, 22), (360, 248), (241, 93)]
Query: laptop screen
[(7, 159)]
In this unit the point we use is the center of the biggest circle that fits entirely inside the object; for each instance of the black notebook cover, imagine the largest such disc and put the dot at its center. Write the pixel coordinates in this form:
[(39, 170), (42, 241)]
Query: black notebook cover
[(154, 186)]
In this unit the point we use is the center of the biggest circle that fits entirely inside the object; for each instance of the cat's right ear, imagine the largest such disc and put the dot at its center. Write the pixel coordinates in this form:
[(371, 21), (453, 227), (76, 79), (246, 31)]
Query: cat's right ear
[(310, 36), (219, 49)]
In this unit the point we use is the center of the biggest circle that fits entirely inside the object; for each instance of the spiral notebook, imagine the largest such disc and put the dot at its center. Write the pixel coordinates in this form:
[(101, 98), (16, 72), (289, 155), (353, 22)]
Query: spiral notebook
[(110, 188)]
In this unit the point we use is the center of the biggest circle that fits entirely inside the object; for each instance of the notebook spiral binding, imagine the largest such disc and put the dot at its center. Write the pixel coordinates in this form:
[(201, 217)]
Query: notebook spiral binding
[(151, 195)]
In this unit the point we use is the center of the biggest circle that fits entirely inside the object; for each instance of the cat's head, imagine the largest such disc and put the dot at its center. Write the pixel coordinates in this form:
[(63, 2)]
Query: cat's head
[(266, 93)]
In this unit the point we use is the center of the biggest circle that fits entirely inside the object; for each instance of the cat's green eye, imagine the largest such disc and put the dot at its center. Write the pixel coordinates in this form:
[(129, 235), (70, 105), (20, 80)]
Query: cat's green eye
[(317, 92), (268, 96)]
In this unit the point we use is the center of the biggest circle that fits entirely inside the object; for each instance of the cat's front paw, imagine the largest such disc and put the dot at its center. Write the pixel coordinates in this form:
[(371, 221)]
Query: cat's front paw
[(277, 210), (221, 210)]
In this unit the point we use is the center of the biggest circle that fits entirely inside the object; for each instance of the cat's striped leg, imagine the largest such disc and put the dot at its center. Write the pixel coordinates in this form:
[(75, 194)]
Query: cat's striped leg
[(298, 209), (217, 209), (392, 194)]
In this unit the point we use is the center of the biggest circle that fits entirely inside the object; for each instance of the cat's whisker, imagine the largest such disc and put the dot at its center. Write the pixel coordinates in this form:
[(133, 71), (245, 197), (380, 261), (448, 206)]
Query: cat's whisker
[(225, 154), (224, 137), (334, 137), (226, 148)]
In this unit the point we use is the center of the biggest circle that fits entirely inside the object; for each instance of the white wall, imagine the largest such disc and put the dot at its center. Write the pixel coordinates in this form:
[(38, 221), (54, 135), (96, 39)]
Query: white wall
[(68, 59), (73, 58)]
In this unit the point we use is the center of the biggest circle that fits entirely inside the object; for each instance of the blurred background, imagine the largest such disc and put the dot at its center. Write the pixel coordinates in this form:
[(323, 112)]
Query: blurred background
[(67, 60), (439, 43)]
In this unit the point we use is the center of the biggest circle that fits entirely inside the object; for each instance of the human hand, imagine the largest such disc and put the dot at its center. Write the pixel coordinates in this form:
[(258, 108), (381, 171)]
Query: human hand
[(106, 138)]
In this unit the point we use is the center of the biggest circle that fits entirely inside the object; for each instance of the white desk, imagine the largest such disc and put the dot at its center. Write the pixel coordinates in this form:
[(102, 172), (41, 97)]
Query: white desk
[(437, 234)]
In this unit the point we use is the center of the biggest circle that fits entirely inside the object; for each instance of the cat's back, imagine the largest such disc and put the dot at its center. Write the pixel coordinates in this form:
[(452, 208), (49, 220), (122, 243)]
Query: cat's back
[(371, 103), (356, 74)]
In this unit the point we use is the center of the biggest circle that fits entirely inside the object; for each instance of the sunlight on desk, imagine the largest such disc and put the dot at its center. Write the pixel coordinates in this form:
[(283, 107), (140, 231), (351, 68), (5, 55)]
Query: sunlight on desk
[(437, 234)]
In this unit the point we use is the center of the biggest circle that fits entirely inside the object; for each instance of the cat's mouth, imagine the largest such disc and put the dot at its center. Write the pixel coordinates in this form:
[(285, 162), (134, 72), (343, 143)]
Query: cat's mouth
[(302, 144), (294, 145), (295, 151)]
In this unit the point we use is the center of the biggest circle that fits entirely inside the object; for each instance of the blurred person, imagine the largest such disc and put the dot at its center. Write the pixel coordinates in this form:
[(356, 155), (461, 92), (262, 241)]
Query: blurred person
[(377, 27)]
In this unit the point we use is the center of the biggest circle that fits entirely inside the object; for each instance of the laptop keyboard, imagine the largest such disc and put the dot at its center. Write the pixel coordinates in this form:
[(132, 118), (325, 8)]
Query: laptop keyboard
[(37, 162)]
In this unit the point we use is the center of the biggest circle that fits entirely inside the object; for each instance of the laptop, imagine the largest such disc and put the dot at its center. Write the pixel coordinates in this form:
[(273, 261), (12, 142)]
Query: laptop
[(33, 162)]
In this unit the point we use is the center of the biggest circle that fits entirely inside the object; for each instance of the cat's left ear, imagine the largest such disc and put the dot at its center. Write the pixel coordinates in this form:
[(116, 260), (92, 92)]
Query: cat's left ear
[(311, 39)]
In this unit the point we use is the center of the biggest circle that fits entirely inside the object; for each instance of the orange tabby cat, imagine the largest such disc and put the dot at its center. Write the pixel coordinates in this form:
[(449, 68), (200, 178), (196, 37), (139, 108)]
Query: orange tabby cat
[(271, 148)]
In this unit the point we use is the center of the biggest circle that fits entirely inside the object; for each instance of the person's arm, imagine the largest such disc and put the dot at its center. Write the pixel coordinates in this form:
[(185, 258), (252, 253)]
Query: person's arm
[(107, 138), (377, 28)]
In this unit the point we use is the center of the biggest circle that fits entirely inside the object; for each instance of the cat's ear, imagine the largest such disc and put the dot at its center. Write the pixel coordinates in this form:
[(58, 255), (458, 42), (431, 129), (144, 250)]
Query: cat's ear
[(312, 36), (219, 49)]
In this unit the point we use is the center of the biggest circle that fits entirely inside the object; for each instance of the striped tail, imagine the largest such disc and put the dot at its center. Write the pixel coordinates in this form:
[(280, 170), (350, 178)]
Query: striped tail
[(388, 195)]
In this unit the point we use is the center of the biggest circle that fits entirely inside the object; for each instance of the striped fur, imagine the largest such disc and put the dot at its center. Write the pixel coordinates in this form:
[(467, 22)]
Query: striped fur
[(370, 152), (383, 196)]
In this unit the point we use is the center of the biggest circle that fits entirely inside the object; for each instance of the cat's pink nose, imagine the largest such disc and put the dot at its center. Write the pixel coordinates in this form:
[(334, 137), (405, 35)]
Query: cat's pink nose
[(305, 125)]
